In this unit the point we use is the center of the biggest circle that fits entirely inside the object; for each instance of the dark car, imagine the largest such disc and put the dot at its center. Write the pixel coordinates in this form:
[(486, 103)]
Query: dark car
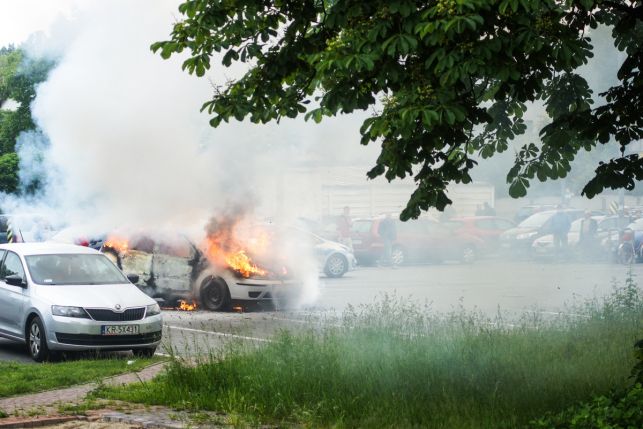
[(519, 239), (417, 241), (486, 228)]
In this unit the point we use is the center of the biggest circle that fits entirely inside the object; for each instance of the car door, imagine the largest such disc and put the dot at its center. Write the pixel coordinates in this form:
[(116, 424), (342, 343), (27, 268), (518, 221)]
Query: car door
[(172, 264), (12, 298), (138, 259)]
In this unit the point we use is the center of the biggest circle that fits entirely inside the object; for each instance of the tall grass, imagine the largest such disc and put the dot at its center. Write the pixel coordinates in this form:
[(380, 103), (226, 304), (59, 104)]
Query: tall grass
[(396, 364)]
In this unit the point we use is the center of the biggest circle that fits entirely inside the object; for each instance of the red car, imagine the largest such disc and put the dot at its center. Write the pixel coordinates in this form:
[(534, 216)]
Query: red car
[(486, 228), (417, 240)]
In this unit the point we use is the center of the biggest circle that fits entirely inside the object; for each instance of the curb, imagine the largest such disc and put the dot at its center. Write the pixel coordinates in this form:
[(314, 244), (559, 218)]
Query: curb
[(35, 422)]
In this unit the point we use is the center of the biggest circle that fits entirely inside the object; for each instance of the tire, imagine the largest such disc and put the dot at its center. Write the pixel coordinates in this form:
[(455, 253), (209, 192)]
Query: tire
[(336, 266), (398, 256), (468, 254), (144, 353), (214, 294), (37, 341)]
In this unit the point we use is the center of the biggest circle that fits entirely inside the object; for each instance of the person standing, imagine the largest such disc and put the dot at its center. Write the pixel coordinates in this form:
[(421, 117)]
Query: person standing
[(560, 225), (587, 237), (388, 233), (487, 210), (344, 225)]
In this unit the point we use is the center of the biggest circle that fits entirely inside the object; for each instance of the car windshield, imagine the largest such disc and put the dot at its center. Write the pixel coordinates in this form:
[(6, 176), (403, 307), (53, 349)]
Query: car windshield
[(535, 221), (73, 269)]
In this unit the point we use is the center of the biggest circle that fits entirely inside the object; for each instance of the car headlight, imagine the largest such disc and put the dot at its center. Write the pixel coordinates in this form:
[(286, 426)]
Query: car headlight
[(61, 310), (525, 235), (152, 310)]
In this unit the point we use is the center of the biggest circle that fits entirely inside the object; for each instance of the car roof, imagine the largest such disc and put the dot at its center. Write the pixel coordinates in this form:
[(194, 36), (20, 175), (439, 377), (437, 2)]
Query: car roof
[(46, 248)]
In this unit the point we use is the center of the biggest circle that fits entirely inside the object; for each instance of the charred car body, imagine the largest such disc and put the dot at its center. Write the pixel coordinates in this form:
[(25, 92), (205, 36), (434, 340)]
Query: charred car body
[(171, 270)]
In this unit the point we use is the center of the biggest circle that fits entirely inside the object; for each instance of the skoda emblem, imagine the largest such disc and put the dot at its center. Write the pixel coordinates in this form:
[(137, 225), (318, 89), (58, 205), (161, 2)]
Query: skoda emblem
[(118, 306)]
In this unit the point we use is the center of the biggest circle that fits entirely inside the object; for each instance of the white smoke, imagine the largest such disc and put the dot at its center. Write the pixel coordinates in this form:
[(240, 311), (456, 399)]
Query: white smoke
[(128, 143), (123, 143)]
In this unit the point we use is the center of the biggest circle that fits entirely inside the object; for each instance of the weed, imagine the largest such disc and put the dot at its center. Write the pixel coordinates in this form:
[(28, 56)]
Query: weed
[(398, 364)]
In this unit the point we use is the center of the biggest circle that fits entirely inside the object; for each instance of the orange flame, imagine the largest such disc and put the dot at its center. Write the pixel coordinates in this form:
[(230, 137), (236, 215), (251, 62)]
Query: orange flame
[(121, 245), (183, 305), (225, 247)]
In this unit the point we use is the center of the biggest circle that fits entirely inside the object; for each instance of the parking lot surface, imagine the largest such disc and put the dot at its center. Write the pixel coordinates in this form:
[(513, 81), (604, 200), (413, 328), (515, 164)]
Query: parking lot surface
[(487, 286)]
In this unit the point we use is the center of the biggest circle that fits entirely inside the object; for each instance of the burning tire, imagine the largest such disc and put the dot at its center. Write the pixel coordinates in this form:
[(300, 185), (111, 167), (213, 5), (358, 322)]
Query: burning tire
[(214, 294), (336, 266)]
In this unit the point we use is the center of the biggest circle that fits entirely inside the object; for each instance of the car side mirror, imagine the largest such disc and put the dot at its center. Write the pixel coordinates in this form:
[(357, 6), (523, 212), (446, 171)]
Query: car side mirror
[(15, 280), (133, 278)]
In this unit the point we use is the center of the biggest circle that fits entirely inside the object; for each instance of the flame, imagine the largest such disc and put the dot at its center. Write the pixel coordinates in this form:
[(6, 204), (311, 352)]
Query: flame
[(120, 244), (183, 305), (230, 245), (238, 260)]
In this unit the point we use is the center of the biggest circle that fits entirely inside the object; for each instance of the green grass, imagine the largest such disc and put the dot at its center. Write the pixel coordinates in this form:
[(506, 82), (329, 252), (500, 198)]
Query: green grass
[(396, 364), (20, 378)]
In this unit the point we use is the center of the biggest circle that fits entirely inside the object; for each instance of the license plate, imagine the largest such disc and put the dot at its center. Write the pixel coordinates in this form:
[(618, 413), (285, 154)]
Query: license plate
[(357, 241), (119, 329)]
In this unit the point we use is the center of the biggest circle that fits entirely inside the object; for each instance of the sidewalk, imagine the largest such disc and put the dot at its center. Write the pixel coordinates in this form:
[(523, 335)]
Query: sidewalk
[(45, 403)]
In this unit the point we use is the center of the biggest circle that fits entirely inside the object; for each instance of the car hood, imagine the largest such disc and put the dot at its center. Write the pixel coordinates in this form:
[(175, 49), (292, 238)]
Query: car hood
[(97, 296), (329, 246)]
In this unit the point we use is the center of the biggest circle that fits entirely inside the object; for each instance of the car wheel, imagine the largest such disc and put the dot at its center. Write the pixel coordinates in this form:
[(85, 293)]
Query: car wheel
[(398, 256), (468, 254), (336, 266), (37, 341), (144, 353), (214, 294)]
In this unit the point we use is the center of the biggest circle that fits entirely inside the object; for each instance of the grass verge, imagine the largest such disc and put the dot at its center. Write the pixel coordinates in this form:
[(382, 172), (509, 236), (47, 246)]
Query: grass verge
[(21, 378), (397, 364)]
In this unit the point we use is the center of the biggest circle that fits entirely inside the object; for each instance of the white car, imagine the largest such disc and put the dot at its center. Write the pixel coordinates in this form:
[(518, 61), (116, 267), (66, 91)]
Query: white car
[(607, 227), (60, 297)]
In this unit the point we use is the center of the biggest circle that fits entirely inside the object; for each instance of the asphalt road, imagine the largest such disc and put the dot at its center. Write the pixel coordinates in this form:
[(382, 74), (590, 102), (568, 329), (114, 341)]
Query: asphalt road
[(485, 286)]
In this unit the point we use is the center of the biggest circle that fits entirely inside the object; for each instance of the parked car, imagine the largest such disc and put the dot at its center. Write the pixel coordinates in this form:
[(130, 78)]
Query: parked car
[(171, 268), (333, 259), (606, 226), (58, 297), (525, 211), (417, 240), (519, 240), (486, 228)]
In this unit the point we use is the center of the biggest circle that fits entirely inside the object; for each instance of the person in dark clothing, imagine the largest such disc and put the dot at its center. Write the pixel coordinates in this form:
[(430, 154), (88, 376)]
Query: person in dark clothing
[(560, 225), (587, 242), (388, 233)]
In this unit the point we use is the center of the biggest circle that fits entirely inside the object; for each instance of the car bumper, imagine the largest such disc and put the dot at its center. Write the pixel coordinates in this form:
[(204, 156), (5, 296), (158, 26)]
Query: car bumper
[(68, 333), (265, 290)]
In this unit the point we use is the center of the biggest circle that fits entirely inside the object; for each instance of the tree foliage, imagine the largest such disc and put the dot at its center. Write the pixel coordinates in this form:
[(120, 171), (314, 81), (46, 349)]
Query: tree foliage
[(448, 80), (19, 77)]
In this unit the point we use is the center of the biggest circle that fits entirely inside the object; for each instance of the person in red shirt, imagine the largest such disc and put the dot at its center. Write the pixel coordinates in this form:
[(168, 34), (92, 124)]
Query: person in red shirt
[(344, 224)]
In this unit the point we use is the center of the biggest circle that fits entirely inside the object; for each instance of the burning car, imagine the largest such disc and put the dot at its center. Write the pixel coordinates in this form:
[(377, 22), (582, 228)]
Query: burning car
[(172, 269)]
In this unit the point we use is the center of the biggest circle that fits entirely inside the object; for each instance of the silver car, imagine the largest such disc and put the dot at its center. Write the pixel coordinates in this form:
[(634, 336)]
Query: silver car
[(60, 297)]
